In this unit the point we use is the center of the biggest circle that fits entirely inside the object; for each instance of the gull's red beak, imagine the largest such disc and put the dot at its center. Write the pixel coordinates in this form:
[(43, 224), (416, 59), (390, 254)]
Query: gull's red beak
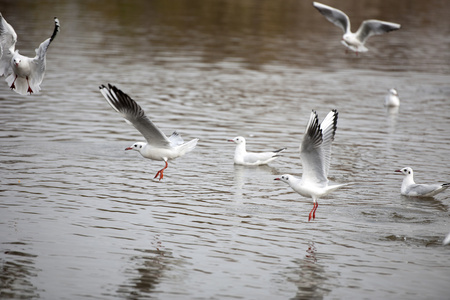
[(277, 179), (230, 140), (128, 148), (399, 171)]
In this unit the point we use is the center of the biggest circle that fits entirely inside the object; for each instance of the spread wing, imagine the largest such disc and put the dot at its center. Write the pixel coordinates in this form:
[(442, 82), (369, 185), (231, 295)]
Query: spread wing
[(8, 39), (38, 62), (134, 115), (374, 27), (315, 150), (335, 16)]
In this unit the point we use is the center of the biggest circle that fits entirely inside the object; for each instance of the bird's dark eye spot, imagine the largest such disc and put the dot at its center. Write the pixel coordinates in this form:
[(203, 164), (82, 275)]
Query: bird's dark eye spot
[(140, 146), (409, 172), (135, 146)]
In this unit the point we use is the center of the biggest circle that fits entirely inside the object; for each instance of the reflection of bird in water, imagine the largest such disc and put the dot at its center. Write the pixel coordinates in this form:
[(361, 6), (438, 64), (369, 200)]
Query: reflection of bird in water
[(311, 252), (249, 175), (145, 271), (310, 277)]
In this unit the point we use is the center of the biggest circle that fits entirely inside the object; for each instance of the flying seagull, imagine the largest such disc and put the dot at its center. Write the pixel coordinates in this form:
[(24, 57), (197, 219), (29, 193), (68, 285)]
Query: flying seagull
[(23, 74), (354, 41), (158, 145), (315, 154)]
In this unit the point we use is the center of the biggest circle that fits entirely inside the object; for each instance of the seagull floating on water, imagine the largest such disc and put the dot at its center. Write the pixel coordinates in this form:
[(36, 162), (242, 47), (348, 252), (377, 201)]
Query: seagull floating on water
[(315, 153), (23, 74), (392, 99), (158, 146), (412, 189), (354, 41), (242, 157), (446, 240)]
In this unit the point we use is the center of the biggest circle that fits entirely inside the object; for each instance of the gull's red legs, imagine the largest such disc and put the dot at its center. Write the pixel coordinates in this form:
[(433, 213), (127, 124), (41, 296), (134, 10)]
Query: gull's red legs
[(160, 172), (29, 89), (313, 211), (13, 86)]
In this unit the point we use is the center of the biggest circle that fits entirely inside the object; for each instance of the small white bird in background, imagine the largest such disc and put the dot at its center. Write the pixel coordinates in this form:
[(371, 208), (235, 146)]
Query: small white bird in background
[(446, 240), (242, 157), (315, 153), (23, 74), (158, 146), (354, 41), (392, 99), (412, 189)]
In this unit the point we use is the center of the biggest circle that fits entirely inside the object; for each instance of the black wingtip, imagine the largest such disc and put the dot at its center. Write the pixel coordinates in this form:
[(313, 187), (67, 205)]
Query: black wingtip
[(280, 150)]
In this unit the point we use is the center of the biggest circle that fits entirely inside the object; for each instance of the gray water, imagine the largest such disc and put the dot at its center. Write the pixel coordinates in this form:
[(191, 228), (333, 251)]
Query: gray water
[(83, 219)]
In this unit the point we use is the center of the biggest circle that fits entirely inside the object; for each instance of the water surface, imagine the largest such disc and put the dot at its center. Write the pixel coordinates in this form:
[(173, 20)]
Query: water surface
[(83, 219)]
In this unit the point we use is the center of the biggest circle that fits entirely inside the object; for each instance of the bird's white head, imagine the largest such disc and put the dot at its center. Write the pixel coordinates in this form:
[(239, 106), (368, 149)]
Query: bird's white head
[(393, 92), (16, 61), (285, 178), (238, 140), (407, 171), (137, 146)]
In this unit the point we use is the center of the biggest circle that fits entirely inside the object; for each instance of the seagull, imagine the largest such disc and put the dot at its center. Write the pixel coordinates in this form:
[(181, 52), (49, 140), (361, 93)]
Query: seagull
[(446, 240), (315, 153), (158, 145), (242, 157), (410, 188), (392, 99), (354, 41), (23, 74)]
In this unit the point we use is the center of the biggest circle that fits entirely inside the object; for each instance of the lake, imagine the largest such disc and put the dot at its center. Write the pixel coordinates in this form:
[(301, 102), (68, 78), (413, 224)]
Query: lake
[(83, 219)]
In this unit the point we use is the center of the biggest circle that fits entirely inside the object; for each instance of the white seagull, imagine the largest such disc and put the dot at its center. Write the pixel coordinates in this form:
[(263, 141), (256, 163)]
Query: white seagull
[(23, 74), (392, 99), (242, 157), (315, 153), (158, 146), (410, 188), (446, 240), (354, 41)]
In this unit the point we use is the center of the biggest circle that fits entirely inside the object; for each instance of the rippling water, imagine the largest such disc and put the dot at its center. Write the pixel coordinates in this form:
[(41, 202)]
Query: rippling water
[(83, 219)]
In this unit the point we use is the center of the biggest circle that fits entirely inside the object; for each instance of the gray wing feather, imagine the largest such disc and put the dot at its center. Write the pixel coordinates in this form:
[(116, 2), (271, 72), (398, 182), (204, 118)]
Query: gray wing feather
[(423, 189), (39, 60), (134, 114), (8, 39), (315, 150), (374, 27), (335, 16)]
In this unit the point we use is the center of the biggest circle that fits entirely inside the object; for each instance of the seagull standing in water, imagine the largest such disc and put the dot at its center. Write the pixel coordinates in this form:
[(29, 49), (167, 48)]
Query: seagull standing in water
[(315, 153), (410, 188), (392, 99), (242, 157), (23, 74), (158, 146), (354, 41)]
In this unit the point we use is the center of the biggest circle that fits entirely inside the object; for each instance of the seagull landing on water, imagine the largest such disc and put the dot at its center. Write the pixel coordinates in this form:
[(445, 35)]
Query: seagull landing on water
[(392, 99), (354, 41), (23, 74), (242, 157), (315, 153), (158, 146), (410, 188)]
